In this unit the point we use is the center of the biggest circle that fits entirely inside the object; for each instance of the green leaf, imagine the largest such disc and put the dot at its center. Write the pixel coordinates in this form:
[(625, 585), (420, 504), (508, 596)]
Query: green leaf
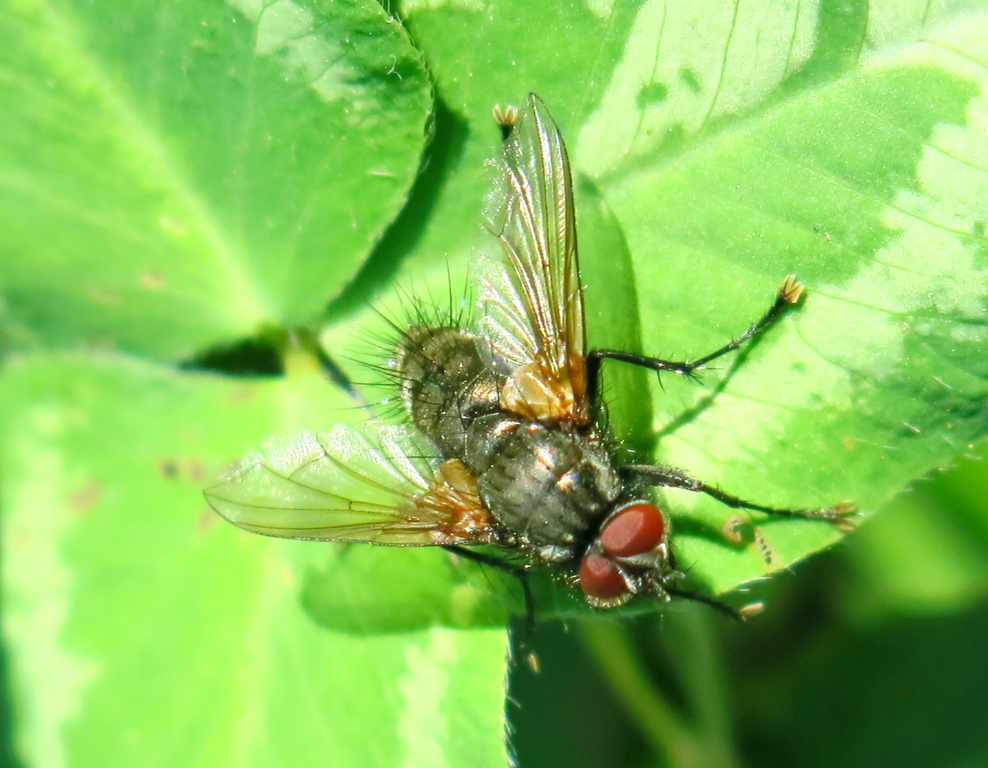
[(883, 359), (928, 553), (179, 175), (167, 637), (176, 176)]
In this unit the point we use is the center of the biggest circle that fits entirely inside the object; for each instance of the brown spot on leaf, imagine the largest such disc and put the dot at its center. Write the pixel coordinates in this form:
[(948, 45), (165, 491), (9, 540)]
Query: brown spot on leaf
[(85, 497), (153, 280), (741, 533), (207, 519), (105, 297), (189, 470), (195, 469), (738, 531), (242, 394)]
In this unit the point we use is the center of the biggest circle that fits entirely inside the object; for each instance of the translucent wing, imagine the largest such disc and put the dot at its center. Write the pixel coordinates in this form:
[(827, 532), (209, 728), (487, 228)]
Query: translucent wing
[(532, 310), (373, 483)]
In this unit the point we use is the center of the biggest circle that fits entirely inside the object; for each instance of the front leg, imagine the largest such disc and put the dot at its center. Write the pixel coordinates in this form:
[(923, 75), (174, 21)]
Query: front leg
[(788, 295)]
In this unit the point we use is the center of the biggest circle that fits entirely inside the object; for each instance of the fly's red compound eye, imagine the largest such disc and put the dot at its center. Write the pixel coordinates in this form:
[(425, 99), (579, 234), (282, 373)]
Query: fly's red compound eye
[(634, 530), (599, 578)]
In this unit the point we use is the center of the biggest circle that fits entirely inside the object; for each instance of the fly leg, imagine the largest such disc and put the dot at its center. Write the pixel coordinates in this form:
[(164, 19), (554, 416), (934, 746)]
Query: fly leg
[(519, 572), (840, 515), (788, 295), (738, 614)]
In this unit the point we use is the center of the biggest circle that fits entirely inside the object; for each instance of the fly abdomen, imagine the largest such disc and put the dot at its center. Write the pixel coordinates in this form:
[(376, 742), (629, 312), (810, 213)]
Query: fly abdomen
[(444, 383), (550, 486)]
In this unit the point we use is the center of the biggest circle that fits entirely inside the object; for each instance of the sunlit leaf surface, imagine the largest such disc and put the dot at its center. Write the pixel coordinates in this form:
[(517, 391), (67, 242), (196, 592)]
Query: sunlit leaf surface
[(173, 176)]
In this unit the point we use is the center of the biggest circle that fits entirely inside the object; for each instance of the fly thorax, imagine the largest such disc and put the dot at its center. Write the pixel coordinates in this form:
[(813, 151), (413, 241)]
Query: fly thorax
[(547, 484), (444, 384)]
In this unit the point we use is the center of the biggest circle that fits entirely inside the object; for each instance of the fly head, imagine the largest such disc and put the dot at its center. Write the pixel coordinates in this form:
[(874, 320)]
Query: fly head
[(629, 556)]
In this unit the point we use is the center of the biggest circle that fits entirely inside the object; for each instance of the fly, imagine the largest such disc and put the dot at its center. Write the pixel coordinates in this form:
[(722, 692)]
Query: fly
[(506, 446)]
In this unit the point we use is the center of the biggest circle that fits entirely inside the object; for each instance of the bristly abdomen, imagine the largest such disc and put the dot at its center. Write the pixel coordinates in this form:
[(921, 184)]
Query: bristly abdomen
[(444, 384)]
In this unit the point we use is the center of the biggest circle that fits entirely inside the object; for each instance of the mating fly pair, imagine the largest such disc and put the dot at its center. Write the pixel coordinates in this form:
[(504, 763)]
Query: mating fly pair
[(506, 446)]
